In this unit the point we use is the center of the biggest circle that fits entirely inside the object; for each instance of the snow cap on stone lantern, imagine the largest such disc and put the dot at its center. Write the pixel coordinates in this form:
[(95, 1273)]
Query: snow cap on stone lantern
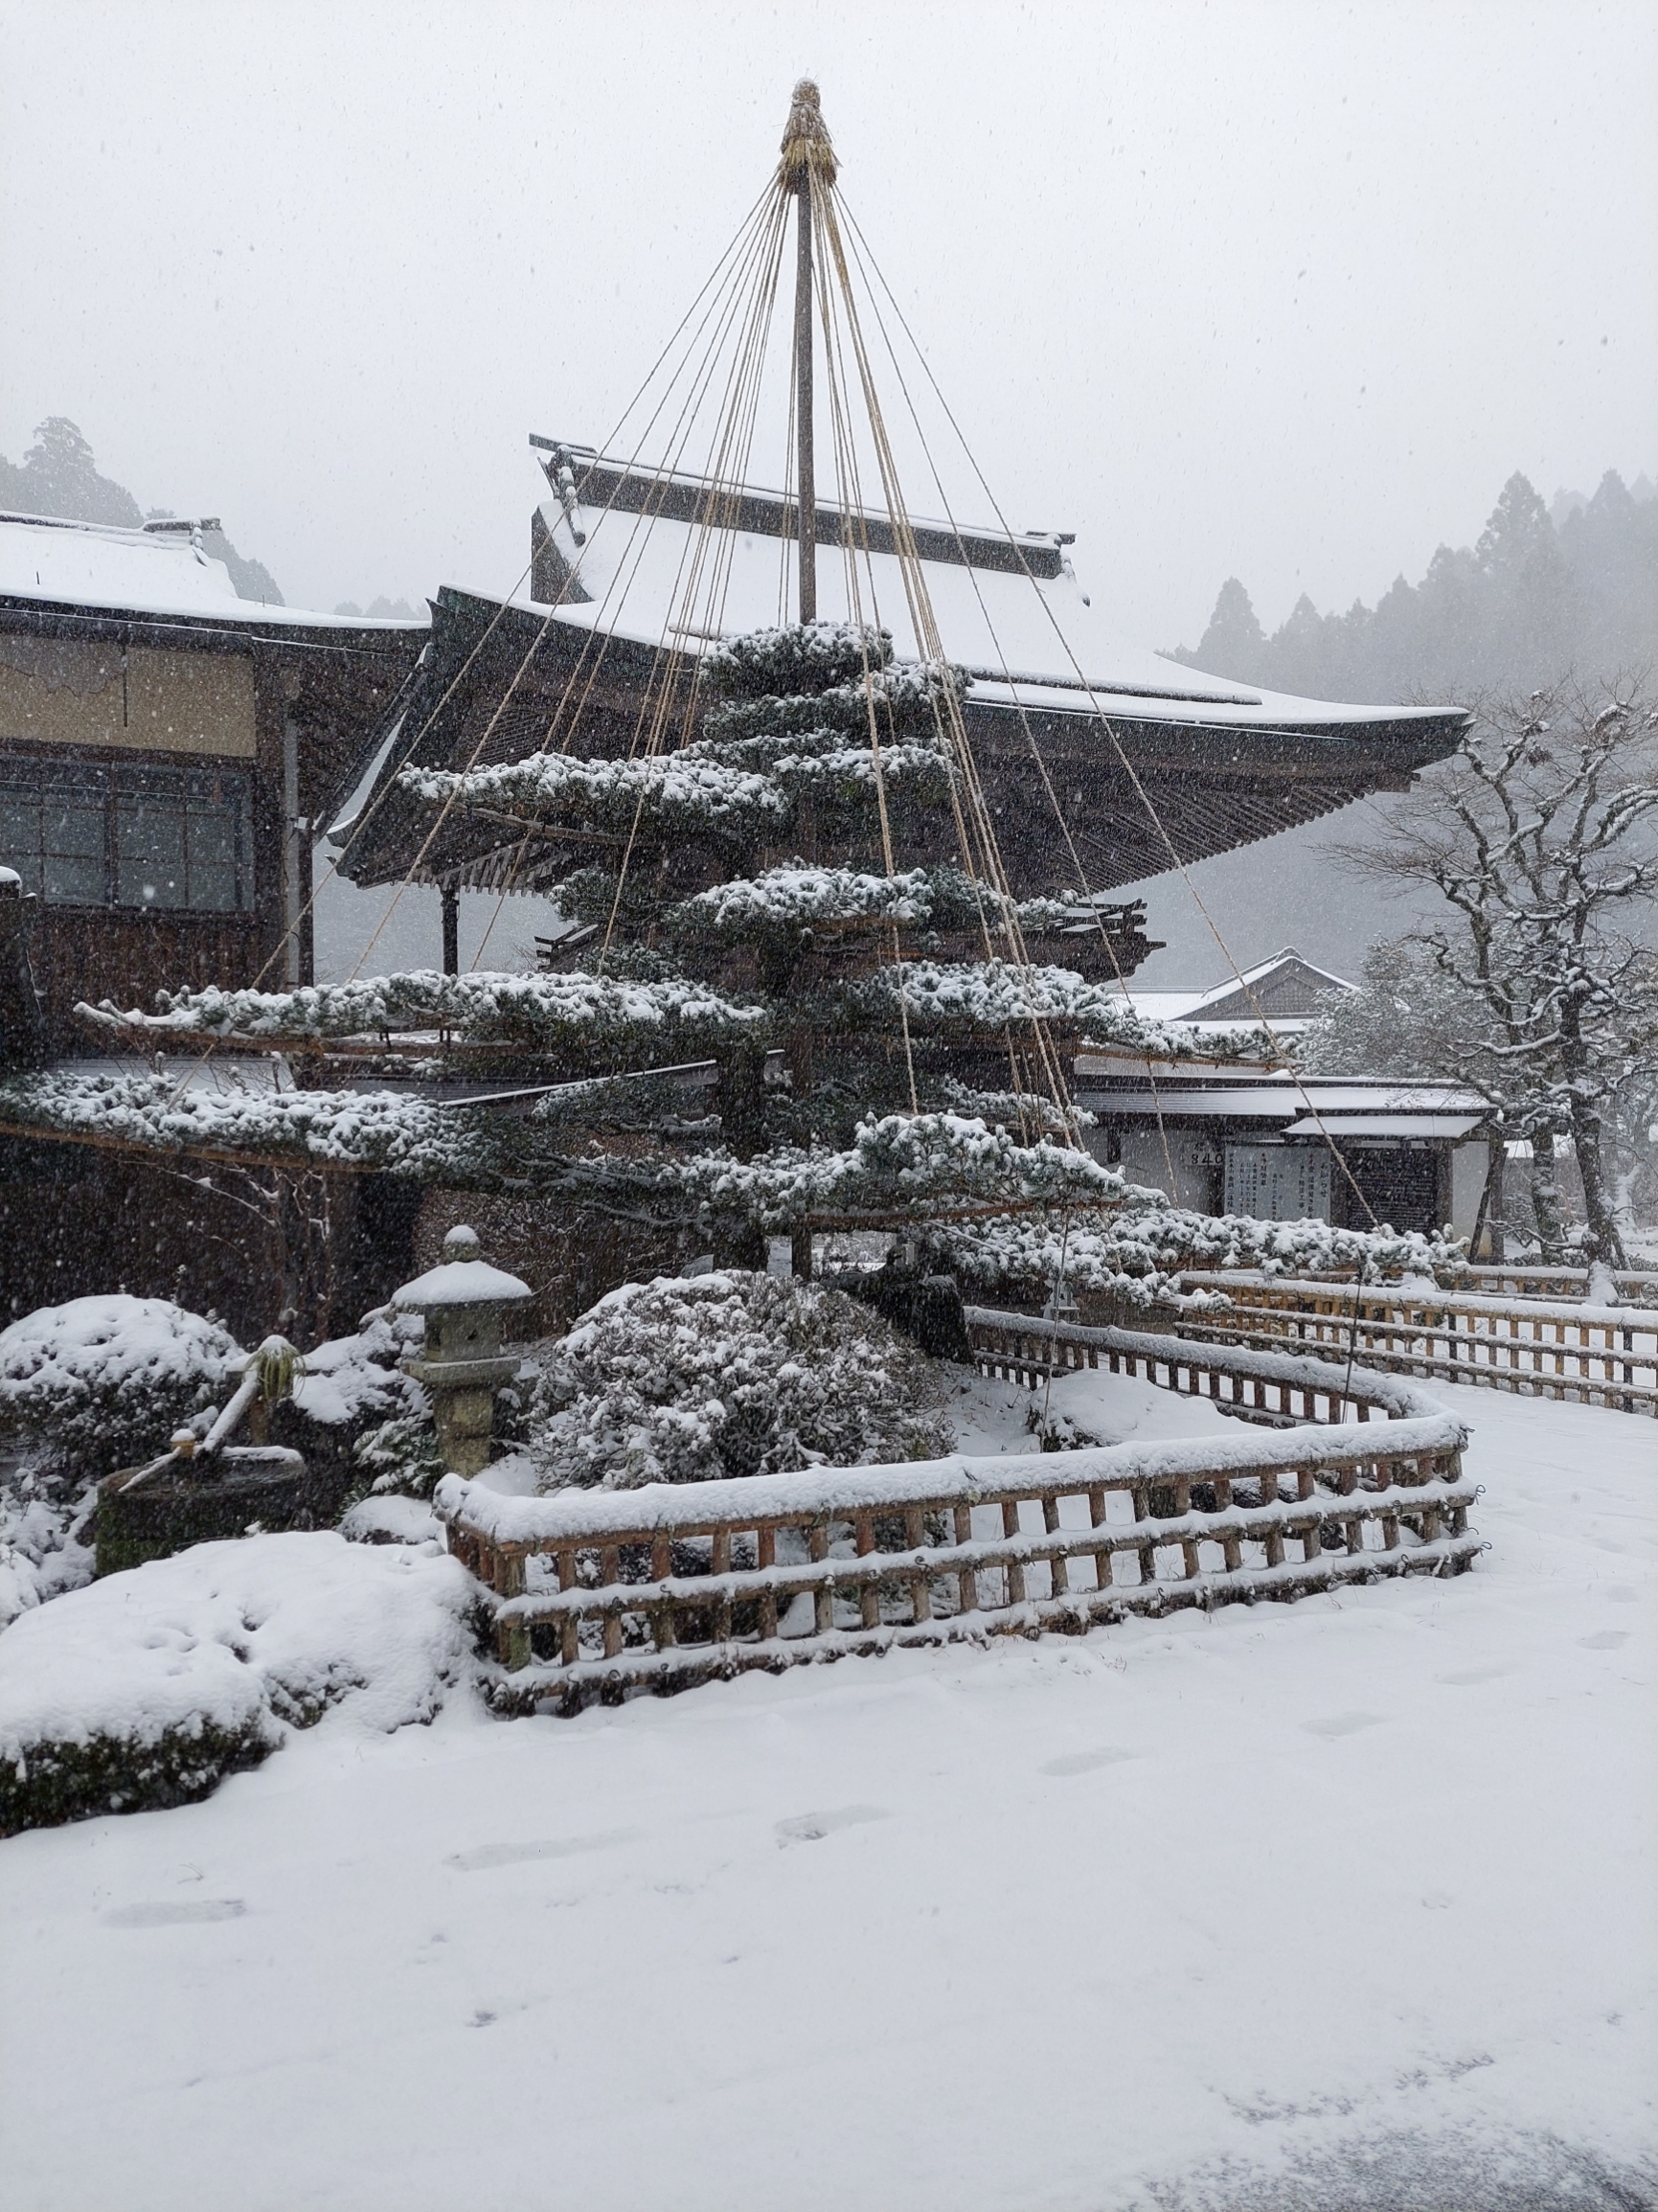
[(463, 1299), (461, 1367)]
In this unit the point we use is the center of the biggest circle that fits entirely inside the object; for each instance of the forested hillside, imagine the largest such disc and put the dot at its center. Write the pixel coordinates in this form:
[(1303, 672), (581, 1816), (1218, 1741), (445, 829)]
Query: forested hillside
[(1546, 589), (59, 476)]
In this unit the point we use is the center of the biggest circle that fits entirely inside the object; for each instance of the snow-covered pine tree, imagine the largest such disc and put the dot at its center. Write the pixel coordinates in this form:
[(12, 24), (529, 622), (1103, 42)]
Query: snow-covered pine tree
[(786, 894), (757, 861)]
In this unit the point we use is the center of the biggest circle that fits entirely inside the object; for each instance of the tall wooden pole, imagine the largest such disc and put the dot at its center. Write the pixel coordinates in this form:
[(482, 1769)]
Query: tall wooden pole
[(808, 155), (804, 469), (807, 158)]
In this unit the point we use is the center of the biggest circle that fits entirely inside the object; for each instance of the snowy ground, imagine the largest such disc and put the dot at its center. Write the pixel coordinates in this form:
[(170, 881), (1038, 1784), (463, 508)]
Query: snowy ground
[(1335, 1904)]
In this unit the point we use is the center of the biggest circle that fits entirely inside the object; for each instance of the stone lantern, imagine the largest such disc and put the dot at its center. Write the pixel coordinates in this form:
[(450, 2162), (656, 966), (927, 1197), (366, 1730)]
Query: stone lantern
[(462, 1365)]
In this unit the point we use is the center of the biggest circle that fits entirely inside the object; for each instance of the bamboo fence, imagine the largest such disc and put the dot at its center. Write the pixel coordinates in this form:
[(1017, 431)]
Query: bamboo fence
[(603, 1593), (1596, 1355)]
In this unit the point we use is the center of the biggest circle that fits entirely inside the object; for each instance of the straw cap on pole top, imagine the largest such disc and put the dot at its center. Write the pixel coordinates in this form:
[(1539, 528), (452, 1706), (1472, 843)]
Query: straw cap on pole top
[(808, 150)]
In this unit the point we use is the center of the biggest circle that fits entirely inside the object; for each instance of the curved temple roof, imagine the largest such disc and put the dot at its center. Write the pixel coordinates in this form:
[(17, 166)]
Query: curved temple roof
[(1008, 607), (630, 565)]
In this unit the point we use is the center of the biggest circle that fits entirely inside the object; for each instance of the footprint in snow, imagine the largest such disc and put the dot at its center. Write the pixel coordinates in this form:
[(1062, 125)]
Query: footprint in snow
[(1342, 1723), (1603, 1640), (487, 1854), (174, 1915), (1468, 1676), (813, 1827), (1086, 1762)]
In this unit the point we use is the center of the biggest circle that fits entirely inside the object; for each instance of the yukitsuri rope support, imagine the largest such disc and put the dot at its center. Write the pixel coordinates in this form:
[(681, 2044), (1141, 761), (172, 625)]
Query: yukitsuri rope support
[(601, 1593)]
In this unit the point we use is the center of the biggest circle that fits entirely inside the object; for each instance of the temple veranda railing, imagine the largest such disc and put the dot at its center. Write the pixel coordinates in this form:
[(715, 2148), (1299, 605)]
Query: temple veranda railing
[(1596, 1355), (601, 1593)]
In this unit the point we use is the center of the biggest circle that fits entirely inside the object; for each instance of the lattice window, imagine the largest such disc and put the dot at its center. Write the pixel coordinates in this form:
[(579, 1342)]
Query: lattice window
[(114, 834)]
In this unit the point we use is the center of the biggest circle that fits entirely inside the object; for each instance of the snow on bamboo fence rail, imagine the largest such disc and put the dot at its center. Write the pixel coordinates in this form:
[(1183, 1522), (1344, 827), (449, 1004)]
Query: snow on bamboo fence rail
[(600, 1592), (1492, 1280), (1637, 1286), (1599, 1355), (1275, 1389)]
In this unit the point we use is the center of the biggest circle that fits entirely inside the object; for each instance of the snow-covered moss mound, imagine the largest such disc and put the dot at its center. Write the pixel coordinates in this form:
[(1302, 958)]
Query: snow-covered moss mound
[(104, 1381), (691, 1379), (147, 1688)]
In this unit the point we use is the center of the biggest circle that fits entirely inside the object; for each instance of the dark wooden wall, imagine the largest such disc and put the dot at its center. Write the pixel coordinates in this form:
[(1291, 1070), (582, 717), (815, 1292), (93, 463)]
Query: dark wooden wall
[(126, 955), (77, 1223)]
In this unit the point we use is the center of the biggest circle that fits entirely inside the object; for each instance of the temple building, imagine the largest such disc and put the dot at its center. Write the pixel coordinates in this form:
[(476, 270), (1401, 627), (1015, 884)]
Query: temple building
[(1082, 742), (165, 748)]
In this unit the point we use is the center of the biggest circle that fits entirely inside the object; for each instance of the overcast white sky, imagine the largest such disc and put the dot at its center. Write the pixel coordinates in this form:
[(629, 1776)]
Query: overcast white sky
[(1279, 287)]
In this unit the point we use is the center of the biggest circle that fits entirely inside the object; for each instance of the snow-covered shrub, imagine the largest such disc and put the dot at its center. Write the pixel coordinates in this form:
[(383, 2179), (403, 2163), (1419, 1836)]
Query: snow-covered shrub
[(146, 1689), (44, 1551), (350, 1380), (102, 1382), (399, 1456), (688, 1378)]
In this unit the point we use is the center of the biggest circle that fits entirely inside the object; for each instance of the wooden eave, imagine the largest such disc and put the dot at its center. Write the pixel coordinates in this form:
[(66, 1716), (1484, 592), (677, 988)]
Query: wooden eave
[(207, 633), (1215, 786)]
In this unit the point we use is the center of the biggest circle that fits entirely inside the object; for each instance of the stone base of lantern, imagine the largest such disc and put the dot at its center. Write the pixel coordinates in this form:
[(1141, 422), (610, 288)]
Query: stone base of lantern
[(463, 1395)]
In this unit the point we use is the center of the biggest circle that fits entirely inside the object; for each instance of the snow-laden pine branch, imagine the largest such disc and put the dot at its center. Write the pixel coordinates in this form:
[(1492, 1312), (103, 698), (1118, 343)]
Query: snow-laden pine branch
[(1138, 1253), (988, 997), (682, 792), (540, 1012), (802, 895), (917, 1164)]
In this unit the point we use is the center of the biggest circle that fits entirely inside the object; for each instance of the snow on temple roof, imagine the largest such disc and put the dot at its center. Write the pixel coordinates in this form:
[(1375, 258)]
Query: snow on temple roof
[(1010, 609), (159, 570), (1290, 970), (1343, 1105), (1287, 988)]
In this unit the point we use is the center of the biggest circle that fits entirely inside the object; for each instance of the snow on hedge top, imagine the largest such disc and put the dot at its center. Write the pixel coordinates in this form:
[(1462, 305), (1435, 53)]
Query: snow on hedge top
[(351, 1377), (237, 1637), (114, 1338), (689, 1378), (482, 1007)]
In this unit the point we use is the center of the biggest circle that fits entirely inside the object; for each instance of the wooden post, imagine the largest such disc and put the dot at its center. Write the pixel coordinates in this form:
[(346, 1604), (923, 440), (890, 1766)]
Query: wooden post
[(804, 465), (451, 899), (512, 1637), (299, 930)]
